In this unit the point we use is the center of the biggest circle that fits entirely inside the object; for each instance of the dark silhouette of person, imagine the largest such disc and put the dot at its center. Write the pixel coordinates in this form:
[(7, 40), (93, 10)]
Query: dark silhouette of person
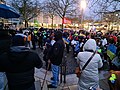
[(18, 62)]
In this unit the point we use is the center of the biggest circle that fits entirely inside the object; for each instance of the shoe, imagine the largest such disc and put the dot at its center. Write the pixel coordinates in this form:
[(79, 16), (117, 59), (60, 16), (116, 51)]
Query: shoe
[(51, 86), (52, 78)]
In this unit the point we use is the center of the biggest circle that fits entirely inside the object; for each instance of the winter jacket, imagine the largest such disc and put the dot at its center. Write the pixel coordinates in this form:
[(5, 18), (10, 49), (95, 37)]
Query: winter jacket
[(56, 53), (19, 65), (89, 76)]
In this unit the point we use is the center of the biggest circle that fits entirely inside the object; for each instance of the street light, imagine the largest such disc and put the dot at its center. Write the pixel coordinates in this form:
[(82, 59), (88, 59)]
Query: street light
[(83, 6), (117, 20), (117, 15)]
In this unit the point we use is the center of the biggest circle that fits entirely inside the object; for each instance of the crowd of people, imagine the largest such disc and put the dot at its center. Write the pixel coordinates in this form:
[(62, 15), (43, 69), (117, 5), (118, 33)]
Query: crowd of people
[(15, 51)]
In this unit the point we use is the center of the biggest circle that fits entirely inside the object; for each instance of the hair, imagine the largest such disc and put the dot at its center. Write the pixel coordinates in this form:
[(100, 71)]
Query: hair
[(111, 40), (58, 35)]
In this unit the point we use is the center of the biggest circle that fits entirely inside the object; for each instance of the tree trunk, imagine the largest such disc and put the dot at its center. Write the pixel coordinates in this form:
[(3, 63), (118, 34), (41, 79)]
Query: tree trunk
[(63, 23), (52, 22), (26, 23), (109, 26)]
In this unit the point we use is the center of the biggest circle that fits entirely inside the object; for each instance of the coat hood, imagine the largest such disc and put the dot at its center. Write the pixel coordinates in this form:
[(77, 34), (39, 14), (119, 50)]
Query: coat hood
[(90, 45), (17, 54)]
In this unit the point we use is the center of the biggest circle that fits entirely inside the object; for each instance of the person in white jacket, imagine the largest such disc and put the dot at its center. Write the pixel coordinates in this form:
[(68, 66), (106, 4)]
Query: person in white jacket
[(89, 76), (104, 41)]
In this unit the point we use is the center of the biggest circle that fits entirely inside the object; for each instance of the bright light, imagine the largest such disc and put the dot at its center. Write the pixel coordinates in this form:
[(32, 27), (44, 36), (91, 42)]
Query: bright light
[(117, 14), (83, 4)]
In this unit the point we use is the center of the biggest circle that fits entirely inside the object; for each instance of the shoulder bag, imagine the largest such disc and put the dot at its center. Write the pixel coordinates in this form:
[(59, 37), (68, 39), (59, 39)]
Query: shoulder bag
[(78, 71)]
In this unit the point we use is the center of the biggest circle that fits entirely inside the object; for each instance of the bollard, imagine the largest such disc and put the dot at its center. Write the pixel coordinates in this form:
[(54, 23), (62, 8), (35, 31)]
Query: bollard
[(63, 70)]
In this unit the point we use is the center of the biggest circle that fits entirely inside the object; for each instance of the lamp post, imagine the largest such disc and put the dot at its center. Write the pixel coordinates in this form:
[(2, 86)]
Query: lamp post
[(83, 6)]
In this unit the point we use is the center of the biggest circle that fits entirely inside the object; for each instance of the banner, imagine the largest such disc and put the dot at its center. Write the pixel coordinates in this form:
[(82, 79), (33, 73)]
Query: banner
[(66, 21)]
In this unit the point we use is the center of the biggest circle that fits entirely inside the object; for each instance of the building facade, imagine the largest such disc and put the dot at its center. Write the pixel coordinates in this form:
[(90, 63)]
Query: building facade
[(45, 21), (112, 20)]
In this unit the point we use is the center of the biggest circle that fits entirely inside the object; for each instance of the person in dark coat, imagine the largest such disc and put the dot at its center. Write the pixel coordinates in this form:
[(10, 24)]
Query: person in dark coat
[(56, 56), (19, 62), (4, 46), (46, 54), (40, 40)]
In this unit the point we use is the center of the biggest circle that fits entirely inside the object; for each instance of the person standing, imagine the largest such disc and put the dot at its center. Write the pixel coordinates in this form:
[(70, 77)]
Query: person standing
[(4, 47), (55, 56), (89, 76), (111, 52), (19, 62), (1, 25), (40, 40)]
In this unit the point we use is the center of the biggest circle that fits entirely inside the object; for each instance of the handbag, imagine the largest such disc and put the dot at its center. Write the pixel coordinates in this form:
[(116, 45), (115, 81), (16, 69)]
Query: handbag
[(78, 71)]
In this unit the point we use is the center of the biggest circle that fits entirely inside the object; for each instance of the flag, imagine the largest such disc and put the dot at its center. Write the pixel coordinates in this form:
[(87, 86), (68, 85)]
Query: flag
[(66, 41), (66, 21), (111, 51)]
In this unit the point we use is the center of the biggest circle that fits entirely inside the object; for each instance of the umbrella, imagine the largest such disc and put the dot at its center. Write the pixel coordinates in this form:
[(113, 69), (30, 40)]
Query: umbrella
[(21, 35), (8, 12), (24, 31)]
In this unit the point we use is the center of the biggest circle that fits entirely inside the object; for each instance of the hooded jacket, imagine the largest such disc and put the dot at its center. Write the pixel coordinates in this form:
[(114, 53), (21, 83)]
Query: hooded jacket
[(89, 76), (19, 65), (57, 50)]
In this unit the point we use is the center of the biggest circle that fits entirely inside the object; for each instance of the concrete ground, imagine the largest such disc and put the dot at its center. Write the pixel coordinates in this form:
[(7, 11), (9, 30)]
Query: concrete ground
[(71, 81)]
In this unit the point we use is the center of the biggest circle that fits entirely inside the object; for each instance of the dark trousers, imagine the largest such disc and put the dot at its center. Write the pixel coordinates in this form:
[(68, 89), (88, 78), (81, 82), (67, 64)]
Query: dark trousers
[(34, 45), (32, 87), (40, 44), (67, 48)]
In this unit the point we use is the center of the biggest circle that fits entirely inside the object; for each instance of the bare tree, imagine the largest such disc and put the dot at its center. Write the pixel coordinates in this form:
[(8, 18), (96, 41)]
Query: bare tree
[(27, 8), (98, 6), (104, 10), (49, 9), (63, 7)]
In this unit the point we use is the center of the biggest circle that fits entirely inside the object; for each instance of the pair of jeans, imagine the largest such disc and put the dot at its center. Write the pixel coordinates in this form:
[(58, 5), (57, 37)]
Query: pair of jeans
[(55, 72)]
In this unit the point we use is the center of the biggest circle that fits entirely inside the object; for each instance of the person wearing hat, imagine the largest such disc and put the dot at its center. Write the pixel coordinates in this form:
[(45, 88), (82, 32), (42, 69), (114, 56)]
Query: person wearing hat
[(19, 62)]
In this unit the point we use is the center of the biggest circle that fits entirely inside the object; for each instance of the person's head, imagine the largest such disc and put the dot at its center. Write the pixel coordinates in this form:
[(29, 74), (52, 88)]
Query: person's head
[(58, 35), (5, 41), (90, 45), (111, 41), (18, 40), (118, 39)]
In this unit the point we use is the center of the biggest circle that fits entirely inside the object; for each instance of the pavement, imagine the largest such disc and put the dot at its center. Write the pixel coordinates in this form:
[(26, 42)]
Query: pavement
[(71, 80)]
